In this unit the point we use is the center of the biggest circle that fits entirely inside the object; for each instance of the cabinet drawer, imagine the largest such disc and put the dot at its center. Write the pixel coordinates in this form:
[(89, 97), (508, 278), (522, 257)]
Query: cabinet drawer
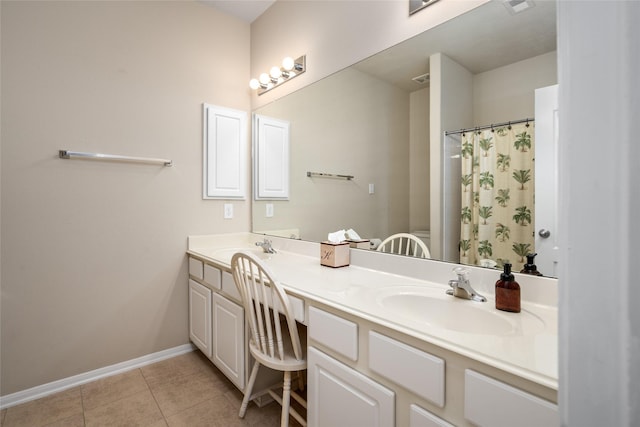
[(229, 286), (195, 268), (415, 370), (338, 334), (297, 306), (420, 417), (488, 402), (212, 276)]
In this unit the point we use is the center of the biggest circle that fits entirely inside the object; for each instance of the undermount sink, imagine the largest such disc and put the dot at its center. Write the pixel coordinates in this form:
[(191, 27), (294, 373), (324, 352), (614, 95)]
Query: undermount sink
[(433, 307)]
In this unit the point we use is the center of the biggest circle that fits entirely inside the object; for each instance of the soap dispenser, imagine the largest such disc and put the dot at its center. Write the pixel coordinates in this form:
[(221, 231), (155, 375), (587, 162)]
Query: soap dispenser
[(507, 291), (530, 267)]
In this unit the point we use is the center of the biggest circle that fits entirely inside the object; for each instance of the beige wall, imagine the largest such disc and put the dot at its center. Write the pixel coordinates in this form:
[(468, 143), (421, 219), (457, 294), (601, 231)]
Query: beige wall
[(93, 253), (507, 93), (419, 159)]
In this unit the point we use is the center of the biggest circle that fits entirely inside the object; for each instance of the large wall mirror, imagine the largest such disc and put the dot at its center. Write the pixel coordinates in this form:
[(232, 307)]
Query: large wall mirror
[(375, 121)]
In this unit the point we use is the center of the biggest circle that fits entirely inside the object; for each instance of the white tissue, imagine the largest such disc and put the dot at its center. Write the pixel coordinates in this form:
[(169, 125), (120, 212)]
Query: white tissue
[(336, 236), (352, 235)]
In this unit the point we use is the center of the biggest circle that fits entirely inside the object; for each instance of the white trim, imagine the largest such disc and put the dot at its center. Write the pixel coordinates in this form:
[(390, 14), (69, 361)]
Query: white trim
[(76, 380)]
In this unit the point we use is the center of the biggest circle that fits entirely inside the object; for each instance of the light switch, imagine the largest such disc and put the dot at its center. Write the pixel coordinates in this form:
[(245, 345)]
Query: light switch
[(269, 212), (228, 211), (372, 189)]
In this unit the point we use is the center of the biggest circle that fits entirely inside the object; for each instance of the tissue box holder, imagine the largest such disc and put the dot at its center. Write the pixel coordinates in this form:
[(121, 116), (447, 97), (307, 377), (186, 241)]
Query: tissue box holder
[(334, 254)]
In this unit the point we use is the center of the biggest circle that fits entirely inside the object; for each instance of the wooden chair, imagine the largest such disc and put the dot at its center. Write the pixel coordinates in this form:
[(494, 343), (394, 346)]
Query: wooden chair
[(404, 244), (275, 341)]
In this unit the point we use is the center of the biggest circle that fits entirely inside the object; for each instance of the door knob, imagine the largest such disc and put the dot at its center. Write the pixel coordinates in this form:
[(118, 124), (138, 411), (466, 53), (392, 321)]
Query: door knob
[(544, 233)]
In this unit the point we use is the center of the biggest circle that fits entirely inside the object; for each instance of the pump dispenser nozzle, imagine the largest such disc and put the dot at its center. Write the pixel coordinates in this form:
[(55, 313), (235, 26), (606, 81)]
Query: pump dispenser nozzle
[(530, 267)]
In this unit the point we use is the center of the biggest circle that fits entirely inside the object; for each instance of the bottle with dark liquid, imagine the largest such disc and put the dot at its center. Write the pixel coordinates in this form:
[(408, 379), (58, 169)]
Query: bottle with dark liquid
[(507, 291), (530, 267)]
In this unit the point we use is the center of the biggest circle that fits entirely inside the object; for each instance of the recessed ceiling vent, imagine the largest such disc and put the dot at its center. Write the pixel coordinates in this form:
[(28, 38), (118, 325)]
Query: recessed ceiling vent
[(517, 6), (423, 79)]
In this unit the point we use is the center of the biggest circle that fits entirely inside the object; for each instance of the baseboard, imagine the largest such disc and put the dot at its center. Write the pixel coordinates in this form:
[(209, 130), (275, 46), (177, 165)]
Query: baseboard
[(76, 380)]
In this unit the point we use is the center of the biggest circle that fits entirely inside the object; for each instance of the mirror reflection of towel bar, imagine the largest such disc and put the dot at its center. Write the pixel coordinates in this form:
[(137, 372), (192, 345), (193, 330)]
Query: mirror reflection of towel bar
[(329, 175), (66, 154)]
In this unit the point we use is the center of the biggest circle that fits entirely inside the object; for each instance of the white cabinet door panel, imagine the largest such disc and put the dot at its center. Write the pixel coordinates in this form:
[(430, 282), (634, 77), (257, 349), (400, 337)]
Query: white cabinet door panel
[(225, 139), (271, 158), (228, 339), (200, 316), (339, 396)]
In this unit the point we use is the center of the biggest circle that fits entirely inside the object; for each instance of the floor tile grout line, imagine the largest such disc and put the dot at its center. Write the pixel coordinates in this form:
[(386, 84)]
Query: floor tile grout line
[(164, 417), (84, 417)]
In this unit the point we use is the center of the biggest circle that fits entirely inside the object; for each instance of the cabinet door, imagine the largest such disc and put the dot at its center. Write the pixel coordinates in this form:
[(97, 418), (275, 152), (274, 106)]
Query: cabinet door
[(200, 316), (225, 136), (340, 396), (229, 339), (271, 158)]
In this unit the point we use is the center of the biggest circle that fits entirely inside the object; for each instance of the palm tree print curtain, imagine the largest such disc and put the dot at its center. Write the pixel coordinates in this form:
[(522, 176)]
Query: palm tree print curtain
[(497, 218)]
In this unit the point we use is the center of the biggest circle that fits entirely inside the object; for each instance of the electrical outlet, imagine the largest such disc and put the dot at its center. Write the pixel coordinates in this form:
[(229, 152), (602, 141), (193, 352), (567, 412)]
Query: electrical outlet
[(372, 189), (228, 211), (269, 210)]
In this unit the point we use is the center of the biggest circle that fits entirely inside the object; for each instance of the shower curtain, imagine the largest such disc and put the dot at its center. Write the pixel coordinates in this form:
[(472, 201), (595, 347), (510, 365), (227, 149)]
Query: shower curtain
[(497, 214)]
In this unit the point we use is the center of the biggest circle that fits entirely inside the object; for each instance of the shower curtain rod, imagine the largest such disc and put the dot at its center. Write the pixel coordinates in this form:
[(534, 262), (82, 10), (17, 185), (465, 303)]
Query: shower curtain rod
[(493, 125)]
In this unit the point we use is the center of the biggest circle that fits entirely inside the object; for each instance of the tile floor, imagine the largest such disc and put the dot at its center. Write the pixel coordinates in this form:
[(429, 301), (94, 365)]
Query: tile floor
[(186, 390)]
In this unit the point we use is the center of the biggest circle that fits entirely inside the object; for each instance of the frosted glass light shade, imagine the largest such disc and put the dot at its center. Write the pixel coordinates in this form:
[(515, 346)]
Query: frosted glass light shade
[(264, 78), (288, 63), (275, 72), (254, 84)]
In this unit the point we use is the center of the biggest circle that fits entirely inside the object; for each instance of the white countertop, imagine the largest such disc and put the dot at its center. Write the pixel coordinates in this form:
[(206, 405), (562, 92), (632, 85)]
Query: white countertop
[(529, 348)]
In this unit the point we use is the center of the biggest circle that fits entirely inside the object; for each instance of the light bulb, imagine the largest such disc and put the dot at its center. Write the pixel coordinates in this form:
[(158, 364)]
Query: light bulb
[(275, 72), (264, 78), (288, 63), (254, 84)]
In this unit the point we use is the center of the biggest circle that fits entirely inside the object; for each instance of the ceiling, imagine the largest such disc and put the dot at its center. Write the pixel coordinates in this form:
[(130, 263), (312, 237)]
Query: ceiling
[(245, 10)]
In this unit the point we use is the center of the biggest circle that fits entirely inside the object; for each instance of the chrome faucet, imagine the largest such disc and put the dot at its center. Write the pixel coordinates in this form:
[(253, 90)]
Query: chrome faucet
[(266, 246), (461, 287)]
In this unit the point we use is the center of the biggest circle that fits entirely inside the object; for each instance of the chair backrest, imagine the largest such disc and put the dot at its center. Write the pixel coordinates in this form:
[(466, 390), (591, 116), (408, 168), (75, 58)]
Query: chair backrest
[(264, 299), (404, 244)]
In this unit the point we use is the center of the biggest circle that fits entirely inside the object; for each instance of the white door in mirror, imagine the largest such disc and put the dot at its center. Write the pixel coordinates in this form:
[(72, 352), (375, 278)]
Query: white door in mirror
[(546, 214)]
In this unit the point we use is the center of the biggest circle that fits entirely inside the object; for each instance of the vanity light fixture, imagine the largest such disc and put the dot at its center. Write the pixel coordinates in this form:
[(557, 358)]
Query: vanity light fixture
[(277, 75), (416, 5)]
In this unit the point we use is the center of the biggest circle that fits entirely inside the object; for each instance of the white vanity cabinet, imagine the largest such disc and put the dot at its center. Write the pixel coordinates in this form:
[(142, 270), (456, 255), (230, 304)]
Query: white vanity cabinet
[(362, 373), (216, 322), (217, 325)]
